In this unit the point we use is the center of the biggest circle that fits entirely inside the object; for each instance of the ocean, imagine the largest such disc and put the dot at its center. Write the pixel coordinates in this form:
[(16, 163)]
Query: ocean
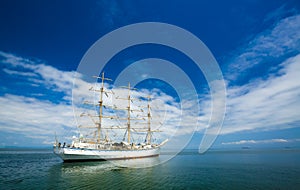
[(216, 169)]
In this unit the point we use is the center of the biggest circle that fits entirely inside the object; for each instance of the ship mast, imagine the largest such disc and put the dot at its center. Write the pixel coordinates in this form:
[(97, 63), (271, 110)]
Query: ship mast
[(149, 122), (101, 105), (100, 108), (128, 108), (128, 111)]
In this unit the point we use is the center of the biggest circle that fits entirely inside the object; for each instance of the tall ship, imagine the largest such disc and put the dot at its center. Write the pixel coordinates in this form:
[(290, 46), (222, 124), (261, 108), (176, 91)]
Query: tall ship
[(100, 146)]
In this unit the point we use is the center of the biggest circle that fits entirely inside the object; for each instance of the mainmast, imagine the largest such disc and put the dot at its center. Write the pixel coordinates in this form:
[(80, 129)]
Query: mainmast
[(129, 99)]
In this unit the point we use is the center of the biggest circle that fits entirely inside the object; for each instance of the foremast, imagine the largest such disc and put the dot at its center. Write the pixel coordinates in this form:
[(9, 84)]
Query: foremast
[(100, 116)]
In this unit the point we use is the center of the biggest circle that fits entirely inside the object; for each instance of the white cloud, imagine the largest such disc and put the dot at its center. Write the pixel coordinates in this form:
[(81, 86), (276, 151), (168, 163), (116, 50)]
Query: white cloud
[(16, 61), (272, 101), (266, 104), (279, 41), (34, 118), (55, 79), (20, 73), (38, 73), (266, 141)]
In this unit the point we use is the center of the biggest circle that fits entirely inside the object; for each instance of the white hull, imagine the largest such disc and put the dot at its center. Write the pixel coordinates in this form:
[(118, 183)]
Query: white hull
[(76, 154)]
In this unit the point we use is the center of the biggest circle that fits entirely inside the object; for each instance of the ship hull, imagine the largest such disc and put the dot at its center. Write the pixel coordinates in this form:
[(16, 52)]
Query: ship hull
[(74, 154)]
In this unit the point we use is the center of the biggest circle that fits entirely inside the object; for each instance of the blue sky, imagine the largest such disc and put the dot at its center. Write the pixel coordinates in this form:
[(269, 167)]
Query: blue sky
[(256, 43)]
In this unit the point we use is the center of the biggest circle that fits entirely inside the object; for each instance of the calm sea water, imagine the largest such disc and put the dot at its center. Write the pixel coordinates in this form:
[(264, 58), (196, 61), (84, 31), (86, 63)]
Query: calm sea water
[(243, 169)]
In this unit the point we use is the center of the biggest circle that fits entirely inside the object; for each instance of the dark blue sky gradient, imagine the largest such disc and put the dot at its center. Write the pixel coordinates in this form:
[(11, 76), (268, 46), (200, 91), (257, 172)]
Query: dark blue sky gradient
[(60, 32)]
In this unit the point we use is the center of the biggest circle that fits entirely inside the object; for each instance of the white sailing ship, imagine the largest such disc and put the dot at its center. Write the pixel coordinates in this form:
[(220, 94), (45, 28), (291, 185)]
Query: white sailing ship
[(103, 148)]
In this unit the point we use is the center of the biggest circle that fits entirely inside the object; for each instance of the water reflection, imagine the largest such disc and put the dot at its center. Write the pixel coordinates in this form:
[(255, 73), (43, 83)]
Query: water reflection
[(102, 166), (119, 173), (137, 163)]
